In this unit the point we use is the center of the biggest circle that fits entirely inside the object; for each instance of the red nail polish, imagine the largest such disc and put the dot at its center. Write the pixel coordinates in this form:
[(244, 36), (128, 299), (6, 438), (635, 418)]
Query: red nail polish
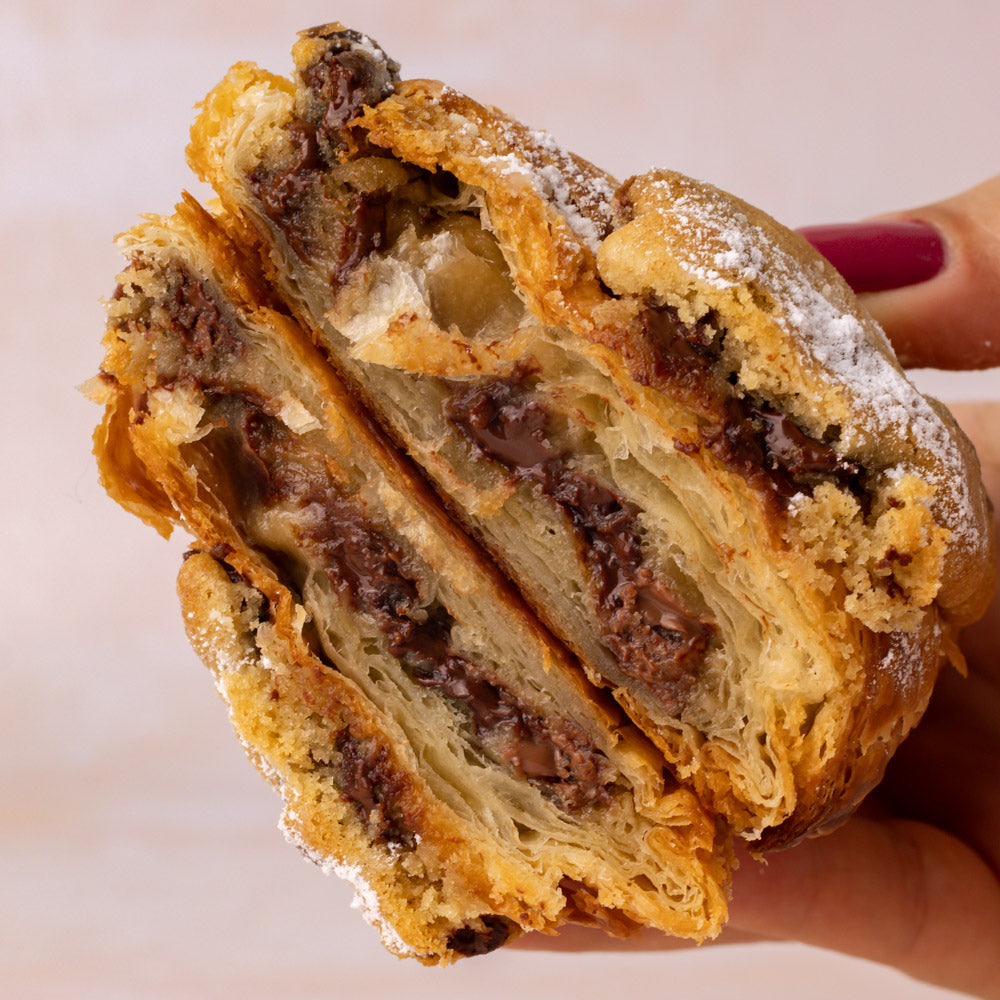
[(876, 256)]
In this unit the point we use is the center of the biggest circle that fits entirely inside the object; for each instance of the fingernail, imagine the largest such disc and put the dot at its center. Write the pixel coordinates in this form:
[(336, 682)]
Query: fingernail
[(876, 256)]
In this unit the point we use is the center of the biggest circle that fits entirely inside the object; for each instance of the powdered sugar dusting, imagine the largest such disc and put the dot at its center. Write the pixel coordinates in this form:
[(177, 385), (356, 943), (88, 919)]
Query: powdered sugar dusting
[(904, 659), (584, 199), (832, 338), (582, 196), (365, 898), (204, 627)]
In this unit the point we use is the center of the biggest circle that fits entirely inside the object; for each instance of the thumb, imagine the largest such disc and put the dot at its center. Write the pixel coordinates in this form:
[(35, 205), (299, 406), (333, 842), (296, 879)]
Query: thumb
[(930, 276), (893, 891)]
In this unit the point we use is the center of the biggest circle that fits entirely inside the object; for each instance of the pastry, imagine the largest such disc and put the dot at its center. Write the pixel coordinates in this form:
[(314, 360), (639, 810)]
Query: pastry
[(664, 415), (550, 532), (431, 740)]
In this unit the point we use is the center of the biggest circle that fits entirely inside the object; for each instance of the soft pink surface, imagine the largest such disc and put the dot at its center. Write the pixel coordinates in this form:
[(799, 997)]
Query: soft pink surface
[(140, 855)]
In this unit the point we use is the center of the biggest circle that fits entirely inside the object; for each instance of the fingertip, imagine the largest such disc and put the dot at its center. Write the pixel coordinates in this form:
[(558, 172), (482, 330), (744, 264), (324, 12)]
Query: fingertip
[(880, 254), (930, 277), (892, 891)]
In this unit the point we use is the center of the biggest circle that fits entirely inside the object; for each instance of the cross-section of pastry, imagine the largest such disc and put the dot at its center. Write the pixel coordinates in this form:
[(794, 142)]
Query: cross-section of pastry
[(430, 738), (668, 419)]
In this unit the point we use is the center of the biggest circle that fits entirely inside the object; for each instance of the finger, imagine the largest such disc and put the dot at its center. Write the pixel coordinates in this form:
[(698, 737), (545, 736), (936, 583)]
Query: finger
[(897, 892), (575, 937), (930, 276)]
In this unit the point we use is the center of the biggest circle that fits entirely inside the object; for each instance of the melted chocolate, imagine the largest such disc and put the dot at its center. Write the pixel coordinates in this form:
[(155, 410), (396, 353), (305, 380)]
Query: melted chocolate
[(340, 81), (355, 223), (365, 566), (790, 449), (367, 778), (556, 753), (763, 445), (469, 940), (282, 193), (200, 324), (768, 447), (683, 347), (347, 74), (505, 422), (662, 351), (364, 233), (655, 639)]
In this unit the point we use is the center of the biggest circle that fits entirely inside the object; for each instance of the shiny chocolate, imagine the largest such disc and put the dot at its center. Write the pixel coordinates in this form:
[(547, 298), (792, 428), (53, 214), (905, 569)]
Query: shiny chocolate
[(655, 639)]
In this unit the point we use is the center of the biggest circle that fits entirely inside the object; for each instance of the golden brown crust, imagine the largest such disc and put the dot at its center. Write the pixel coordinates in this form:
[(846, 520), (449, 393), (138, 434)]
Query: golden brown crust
[(810, 342), (872, 572), (668, 419), (382, 782), (547, 207), (688, 245), (283, 702)]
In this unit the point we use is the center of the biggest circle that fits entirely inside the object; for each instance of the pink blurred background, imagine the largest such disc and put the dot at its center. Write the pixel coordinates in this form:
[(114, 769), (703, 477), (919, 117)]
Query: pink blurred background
[(140, 856)]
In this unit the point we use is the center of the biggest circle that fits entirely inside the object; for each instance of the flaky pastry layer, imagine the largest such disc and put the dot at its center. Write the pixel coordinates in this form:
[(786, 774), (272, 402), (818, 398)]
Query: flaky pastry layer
[(469, 434), (666, 417), (430, 739)]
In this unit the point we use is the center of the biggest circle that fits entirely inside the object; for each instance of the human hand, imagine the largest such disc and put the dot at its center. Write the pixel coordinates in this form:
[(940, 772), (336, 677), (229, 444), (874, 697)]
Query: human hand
[(912, 880), (949, 319)]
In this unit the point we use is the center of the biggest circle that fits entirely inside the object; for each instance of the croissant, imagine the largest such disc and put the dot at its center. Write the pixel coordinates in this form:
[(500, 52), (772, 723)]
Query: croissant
[(431, 740), (470, 437)]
